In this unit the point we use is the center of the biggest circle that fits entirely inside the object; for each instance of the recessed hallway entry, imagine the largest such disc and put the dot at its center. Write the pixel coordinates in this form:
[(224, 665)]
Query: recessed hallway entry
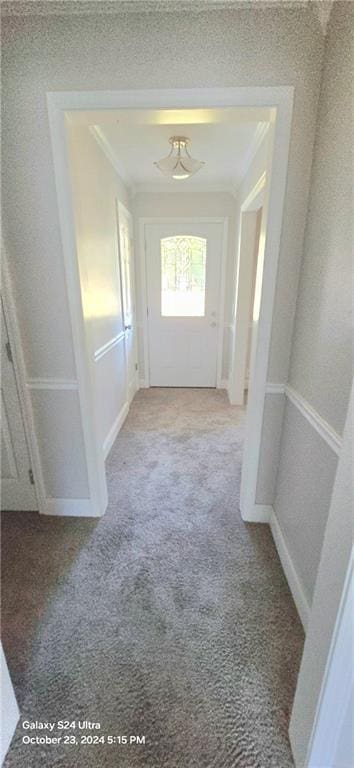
[(194, 641), (183, 272)]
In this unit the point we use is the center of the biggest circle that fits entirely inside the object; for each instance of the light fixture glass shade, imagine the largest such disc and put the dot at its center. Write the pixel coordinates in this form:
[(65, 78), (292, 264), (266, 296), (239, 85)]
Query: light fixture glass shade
[(179, 164)]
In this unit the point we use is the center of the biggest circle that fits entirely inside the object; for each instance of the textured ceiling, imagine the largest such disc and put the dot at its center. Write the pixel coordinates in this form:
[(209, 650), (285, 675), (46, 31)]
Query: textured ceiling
[(68, 7)]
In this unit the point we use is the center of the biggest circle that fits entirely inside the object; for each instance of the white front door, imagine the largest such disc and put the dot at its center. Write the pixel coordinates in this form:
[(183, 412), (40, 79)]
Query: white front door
[(17, 489), (126, 264), (183, 265)]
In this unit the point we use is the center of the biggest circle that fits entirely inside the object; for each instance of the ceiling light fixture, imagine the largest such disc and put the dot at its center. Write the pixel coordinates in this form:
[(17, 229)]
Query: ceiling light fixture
[(179, 164)]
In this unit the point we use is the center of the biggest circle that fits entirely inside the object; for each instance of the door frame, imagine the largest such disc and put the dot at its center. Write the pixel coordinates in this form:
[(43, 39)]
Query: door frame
[(253, 201), (121, 207), (21, 378), (143, 222), (278, 100)]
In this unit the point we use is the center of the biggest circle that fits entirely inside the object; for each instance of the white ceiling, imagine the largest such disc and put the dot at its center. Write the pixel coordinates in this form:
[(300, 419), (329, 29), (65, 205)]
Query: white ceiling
[(226, 144)]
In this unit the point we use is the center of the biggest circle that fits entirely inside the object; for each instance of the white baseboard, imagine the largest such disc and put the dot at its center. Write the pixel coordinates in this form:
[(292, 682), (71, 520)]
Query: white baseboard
[(260, 513), (70, 508), (223, 384), (115, 428), (293, 580), (132, 390)]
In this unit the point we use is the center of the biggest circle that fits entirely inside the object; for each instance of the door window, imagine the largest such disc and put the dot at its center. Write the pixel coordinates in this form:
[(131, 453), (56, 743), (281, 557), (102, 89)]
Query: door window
[(183, 266)]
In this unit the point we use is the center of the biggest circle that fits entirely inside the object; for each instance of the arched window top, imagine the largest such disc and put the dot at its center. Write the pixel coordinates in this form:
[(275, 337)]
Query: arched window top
[(183, 270)]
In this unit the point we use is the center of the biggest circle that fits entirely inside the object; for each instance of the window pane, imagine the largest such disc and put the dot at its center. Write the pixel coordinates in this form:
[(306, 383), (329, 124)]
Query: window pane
[(183, 261)]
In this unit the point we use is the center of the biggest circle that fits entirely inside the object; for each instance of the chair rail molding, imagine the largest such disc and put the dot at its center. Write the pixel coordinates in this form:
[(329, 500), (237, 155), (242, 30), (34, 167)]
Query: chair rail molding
[(331, 437), (322, 427), (102, 351), (52, 383)]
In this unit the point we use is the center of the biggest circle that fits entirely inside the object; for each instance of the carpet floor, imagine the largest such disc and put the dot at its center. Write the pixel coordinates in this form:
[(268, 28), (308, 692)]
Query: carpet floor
[(168, 618)]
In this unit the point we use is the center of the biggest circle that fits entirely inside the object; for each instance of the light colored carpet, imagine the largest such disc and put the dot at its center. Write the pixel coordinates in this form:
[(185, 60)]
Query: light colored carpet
[(168, 618)]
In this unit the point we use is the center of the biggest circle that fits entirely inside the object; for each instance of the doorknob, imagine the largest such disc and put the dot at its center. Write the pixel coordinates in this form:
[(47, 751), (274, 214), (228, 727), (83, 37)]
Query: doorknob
[(127, 327)]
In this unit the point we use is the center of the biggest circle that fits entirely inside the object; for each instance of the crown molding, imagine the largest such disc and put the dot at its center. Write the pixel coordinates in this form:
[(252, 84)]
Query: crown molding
[(98, 134), (258, 138)]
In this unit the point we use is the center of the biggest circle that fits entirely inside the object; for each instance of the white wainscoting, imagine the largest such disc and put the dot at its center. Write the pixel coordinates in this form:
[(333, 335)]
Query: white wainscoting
[(51, 505), (111, 370), (115, 429), (266, 514)]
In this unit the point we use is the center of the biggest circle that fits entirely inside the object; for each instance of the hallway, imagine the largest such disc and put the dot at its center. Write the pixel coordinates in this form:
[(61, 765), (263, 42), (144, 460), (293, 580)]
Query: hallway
[(194, 640)]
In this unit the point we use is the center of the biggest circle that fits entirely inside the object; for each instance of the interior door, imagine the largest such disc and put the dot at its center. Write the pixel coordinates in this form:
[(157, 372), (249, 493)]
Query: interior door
[(17, 489), (183, 264), (126, 262)]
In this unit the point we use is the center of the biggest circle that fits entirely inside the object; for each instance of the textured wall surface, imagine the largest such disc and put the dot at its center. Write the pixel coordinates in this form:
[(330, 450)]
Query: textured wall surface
[(321, 360), (321, 354), (96, 189), (303, 491), (250, 47)]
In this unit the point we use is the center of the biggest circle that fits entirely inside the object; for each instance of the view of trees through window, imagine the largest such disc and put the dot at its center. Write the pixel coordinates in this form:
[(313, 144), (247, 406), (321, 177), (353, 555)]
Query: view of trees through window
[(183, 264)]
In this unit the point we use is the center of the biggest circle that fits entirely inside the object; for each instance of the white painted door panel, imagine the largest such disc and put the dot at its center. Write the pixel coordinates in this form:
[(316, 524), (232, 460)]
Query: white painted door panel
[(183, 264), (126, 262), (17, 491)]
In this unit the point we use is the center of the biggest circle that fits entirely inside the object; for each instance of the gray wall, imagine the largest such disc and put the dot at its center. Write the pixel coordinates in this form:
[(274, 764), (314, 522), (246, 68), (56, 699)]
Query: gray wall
[(321, 360), (239, 47)]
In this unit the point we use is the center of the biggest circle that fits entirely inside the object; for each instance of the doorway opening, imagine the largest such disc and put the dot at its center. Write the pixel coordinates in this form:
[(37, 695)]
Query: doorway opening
[(185, 264), (183, 261)]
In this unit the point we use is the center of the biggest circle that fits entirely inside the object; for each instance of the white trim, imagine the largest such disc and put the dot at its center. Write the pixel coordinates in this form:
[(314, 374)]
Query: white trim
[(260, 513), (143, 384), (273, 388), (293, 580), (278, 146), (337, 684), (331, 437), (144, 304), (280, 100), (115, 428), (6, 436), (52, 383), (57, 104), (102, 351), (257, 190), (241, 96), (70, 508), (223, 384), (259, 136), (143, 222), (239, 375), (220, 343), (21, 375)]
